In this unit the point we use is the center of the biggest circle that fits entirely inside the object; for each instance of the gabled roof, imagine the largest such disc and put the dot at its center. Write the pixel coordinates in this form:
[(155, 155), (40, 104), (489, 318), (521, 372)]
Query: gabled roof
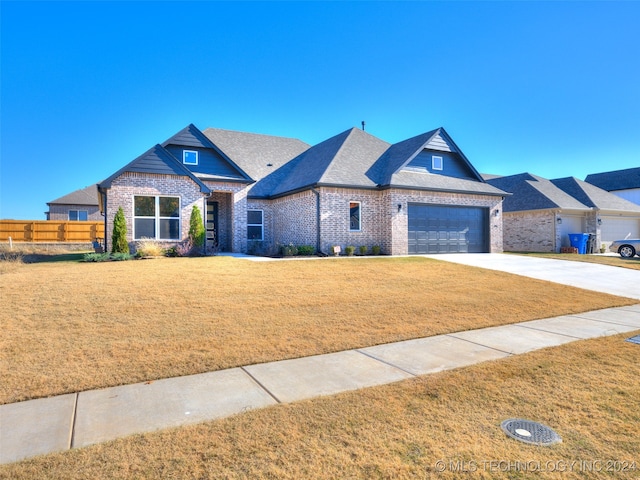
[(531, 192), (341, 160), (616, 180), (84, 196), (191, 136), (594, 197), (159, 161)]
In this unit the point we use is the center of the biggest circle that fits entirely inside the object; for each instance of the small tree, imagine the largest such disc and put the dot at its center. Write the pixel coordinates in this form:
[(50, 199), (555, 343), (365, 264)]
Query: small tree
[(119, 236), (196, 228)]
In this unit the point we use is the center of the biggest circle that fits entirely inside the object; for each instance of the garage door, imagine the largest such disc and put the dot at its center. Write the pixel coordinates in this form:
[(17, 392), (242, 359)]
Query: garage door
[(445, 229), (617, 228)]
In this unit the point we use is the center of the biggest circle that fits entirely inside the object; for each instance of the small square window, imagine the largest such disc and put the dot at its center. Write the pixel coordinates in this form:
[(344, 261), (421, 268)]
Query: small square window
[(436, 163), (190, 157)]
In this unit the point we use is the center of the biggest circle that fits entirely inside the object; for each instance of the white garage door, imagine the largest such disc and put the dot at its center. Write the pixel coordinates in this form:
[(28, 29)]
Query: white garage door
[(617, 228)]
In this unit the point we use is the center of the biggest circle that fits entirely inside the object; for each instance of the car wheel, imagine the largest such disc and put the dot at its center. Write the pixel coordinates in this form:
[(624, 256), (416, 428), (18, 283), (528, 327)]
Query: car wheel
[(626, 251)]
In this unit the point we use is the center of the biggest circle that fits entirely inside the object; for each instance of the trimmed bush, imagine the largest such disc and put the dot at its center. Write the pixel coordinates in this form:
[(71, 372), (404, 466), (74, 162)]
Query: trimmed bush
[(96, 257), (119, 257), (375, 249), (119, 236), (350, 250), (306, 250), (362, 249)]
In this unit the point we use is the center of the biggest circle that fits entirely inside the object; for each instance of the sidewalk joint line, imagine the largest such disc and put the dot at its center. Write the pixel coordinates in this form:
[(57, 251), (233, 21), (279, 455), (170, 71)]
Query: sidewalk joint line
[(385, 362), (261, 385), (555, 333), (603, 321), (452, 335), (74, 415)]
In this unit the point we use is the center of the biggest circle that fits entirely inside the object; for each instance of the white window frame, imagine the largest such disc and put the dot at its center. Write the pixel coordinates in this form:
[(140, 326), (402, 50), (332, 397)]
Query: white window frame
[(158, 218), (359, 229), (437, 162), (184, 157), (261, 225), (78, 215)]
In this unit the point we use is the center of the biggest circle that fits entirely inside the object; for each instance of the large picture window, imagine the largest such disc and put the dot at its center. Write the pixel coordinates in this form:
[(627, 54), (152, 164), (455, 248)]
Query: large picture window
[(354, 216), (157, 218), (255, 225)]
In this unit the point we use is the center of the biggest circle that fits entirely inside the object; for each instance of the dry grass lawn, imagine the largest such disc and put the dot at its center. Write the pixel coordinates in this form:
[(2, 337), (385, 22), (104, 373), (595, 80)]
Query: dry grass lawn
[(434, 426), (69, 327)]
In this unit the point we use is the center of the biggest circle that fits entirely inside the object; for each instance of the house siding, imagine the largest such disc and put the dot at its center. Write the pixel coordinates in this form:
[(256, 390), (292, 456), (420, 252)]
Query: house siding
[(61, 212)]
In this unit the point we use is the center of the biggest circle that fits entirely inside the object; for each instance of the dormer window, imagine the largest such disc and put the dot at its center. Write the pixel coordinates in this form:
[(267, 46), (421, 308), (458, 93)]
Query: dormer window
[(436, 163), (190, 157)]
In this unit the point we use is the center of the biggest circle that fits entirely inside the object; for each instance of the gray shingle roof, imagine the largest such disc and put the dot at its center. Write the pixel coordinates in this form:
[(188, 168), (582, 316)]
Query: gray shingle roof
[(531, 192), (616, 180), (594, 197), (84, 196), (258, 155)]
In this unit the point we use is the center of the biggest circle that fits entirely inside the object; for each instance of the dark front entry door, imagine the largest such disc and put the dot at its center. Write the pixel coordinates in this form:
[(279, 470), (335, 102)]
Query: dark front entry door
[(447, 229), (211, 224)]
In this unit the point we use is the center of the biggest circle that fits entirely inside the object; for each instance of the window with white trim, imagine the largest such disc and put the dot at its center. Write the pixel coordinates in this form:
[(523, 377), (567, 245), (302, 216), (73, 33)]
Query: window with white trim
[(354, 216), (78, 215), (436, 162), (255, 225), (157, 218), (190, 157)]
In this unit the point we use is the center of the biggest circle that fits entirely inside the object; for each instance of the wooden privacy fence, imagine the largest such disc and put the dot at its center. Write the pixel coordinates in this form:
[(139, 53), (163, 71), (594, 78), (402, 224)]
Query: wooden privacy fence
[(50, 231)]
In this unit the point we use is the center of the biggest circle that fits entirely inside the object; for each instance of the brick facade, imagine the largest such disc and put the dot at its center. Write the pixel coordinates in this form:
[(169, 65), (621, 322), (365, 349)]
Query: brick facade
[(530, 232), (293, 218)]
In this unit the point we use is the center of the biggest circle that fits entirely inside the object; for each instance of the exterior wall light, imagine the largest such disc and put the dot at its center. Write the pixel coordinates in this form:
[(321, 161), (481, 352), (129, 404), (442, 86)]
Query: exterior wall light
[(599, 221), (399, 206), (559, 221), (497, 212)]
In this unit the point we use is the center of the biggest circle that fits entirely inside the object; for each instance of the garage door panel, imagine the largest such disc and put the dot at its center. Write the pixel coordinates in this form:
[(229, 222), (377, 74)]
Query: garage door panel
[(447, 229), (617, 228)]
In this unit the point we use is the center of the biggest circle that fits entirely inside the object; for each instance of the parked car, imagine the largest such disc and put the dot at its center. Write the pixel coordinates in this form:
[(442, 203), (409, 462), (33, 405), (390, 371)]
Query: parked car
[(626, 248)]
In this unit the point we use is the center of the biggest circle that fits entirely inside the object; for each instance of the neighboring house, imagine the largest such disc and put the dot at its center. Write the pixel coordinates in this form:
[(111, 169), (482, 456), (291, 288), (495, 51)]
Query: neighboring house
[(258, 192), (623, 183), (79, 205), (540, 214)]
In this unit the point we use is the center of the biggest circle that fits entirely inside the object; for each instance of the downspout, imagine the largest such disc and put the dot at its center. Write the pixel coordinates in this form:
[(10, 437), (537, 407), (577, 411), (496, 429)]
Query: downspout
[(103, 197), (318, 236)]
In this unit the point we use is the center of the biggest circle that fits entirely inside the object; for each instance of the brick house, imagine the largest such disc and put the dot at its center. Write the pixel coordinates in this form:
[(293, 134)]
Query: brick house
[(623, 183), (258, 192), (80, 205), (540, 213)]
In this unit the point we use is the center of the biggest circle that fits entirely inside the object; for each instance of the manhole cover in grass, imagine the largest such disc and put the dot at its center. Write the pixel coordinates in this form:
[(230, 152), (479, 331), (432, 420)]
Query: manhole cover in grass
[(635, 339), (530, 432)]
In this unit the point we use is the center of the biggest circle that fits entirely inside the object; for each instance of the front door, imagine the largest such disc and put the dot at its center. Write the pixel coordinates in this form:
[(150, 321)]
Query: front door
[(212, 225)]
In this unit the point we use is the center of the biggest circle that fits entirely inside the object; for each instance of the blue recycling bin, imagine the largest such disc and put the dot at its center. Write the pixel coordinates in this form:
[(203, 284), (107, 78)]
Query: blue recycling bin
[(579, 241)]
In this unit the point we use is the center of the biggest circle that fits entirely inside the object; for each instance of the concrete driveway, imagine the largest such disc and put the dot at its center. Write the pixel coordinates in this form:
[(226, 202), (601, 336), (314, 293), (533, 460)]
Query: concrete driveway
[(624, 282)]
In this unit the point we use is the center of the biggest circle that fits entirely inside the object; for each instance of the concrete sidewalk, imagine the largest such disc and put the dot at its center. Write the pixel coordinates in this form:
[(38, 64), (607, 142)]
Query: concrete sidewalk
[(76, 420)]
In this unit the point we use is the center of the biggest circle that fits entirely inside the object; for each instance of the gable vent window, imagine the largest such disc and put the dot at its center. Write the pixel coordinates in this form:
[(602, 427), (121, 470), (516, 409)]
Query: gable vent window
[(190, 157), (436, 163)]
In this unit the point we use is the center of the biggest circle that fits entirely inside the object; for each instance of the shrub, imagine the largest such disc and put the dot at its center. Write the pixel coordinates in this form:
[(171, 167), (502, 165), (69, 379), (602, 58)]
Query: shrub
[(306, 250), (362, 249), (196, 228), (149, 248), (289, 250), (119, 236), (350, 250), (375, 249), (119, 257), (97, 257)]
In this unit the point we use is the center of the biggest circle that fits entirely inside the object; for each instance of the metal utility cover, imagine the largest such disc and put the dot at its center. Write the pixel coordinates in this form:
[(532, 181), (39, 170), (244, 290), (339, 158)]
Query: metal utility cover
[(530, 432)]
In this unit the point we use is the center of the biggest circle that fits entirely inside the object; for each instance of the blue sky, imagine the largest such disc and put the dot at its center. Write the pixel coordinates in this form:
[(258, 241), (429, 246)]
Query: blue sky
[(552, 88)]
